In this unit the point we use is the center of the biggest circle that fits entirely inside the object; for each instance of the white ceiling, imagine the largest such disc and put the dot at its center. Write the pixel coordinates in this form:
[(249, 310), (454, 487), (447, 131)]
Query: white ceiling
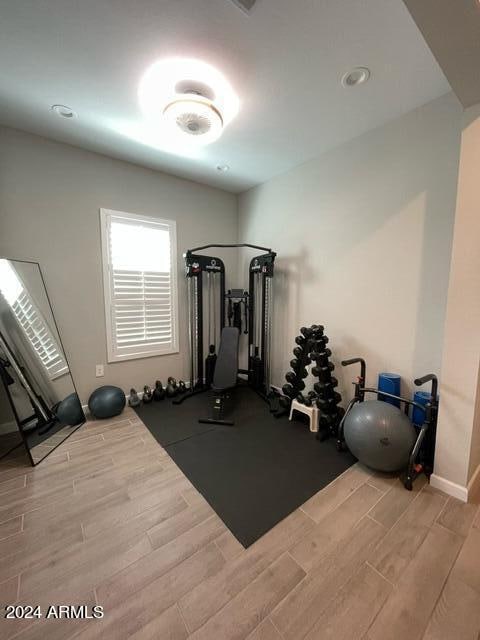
[(284, 60)]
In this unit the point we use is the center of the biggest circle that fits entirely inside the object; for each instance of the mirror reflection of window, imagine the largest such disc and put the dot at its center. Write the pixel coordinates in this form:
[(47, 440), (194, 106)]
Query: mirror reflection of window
[(31, 321)]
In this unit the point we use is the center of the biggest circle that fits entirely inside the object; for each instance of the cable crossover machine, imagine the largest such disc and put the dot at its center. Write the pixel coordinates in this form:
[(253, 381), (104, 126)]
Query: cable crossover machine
[(212, 308)]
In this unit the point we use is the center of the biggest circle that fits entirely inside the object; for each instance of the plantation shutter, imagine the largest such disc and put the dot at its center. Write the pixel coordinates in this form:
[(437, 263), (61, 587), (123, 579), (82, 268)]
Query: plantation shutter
[(32, 322), (39, 335), (141, 283)]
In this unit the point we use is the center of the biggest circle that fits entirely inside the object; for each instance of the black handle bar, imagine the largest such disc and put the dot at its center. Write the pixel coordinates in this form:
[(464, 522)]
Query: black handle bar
[(363, 366), (430, 377), (231, 246)]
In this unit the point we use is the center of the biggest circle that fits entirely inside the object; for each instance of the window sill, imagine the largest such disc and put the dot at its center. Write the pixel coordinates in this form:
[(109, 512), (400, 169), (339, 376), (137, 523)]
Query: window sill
[(140, 356)]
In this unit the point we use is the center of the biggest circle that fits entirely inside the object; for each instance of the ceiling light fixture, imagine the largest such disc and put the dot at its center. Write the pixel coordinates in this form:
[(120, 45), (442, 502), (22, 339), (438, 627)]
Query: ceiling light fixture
[(187, 99), (63, 111), (223, 168), (358, 75)]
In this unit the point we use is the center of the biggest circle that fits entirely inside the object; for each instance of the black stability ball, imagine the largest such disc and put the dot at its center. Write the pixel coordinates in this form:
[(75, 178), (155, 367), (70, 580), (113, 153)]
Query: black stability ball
[(69, 411), (106, 402)]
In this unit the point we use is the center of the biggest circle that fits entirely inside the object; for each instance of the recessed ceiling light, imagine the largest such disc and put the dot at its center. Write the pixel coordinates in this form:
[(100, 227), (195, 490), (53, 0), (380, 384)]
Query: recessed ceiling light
[(356, 76), (187, 100), (223, 168), (63, 111)]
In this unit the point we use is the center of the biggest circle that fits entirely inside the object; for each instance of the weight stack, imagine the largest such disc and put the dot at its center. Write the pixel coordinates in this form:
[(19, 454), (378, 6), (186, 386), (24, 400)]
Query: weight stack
[(295, 377), (327, 399)]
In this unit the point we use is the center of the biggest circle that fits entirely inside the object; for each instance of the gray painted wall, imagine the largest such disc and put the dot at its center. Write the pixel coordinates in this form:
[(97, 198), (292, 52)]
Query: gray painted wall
[(50, 195), (363, 235)]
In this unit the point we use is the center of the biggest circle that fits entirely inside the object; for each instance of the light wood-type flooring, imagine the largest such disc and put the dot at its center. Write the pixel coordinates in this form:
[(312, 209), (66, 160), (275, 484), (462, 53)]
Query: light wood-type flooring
[(109, 519)]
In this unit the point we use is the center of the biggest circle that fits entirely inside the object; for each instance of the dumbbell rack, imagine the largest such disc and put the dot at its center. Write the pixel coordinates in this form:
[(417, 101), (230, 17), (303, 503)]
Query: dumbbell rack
[(327, 399), (312, 346)]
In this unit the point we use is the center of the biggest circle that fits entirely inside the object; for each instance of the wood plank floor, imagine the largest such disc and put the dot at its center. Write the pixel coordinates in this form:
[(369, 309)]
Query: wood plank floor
[(109, 519)]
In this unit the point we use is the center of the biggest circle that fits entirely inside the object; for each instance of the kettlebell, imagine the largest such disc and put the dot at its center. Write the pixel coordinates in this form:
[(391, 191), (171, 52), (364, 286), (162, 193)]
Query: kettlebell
[(182, 387), (147, 394), (133, 399), (172, 389), (159, 391)]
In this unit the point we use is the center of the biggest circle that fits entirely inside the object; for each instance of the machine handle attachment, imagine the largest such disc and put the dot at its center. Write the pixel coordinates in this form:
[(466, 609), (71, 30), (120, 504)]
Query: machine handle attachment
[(430, 377), (363, 366)]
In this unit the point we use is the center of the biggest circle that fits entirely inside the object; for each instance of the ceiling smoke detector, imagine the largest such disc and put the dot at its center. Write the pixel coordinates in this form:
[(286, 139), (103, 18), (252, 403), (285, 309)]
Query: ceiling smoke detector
[(356, 76), (188, 100)]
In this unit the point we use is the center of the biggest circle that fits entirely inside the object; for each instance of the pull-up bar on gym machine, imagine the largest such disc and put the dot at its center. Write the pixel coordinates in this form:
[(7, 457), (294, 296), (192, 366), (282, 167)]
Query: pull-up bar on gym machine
[(211, 308)]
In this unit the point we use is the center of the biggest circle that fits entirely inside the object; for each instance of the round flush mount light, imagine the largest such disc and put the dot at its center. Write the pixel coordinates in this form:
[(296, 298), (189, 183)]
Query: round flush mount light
[(194, 116), (63, 111), (356, 76), (223, 168), (187, 100)]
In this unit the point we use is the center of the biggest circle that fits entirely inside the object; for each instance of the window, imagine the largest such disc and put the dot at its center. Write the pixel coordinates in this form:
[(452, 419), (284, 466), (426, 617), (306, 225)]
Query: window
[(32, 322), (139, 270)]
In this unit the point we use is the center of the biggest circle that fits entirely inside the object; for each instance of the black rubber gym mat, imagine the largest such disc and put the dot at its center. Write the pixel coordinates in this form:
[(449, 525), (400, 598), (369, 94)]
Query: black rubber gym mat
[(253, 474)]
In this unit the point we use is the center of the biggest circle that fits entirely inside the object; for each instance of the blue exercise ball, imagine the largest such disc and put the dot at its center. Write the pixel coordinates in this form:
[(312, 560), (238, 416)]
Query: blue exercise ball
[(380, 435), (106, 402)]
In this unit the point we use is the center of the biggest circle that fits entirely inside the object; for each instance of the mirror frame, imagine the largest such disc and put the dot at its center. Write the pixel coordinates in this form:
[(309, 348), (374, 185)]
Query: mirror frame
[(24, 439)]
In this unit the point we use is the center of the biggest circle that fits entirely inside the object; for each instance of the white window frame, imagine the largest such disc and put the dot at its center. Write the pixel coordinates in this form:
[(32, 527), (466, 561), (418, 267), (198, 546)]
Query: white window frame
[(106, 216)]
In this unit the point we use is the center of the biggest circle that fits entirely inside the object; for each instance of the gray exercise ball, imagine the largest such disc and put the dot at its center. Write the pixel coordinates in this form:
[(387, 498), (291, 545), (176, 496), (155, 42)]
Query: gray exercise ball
[(380, 435), (106, 402)]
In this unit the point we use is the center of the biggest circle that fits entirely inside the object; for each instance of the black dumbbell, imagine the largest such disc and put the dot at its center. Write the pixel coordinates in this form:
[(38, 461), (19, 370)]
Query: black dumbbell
[(306, 332), (325, 394), (317, 330), (172, 389), (300, 398), (300, 340), (296, 379), (302, 373), (320, 371), (159, 391), (321, 355), (311, 396), (295, 363), (147, 394), (182, 387), (133, 399), (332, 399), (326, 386), (326, 421), (291, 377), (285, 402), (288, 390), (298, 352), (326, 404)]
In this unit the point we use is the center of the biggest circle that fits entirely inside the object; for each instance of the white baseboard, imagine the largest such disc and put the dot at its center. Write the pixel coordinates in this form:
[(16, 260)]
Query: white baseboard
[(474, 482), (451, 488)]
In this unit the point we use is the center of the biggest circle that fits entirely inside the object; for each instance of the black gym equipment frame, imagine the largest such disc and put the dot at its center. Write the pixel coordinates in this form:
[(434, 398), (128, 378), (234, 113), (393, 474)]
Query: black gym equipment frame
[(205, 280)]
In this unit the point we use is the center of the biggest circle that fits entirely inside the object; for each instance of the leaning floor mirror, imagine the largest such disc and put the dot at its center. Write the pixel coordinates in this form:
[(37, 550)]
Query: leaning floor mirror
[(39, 403)]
